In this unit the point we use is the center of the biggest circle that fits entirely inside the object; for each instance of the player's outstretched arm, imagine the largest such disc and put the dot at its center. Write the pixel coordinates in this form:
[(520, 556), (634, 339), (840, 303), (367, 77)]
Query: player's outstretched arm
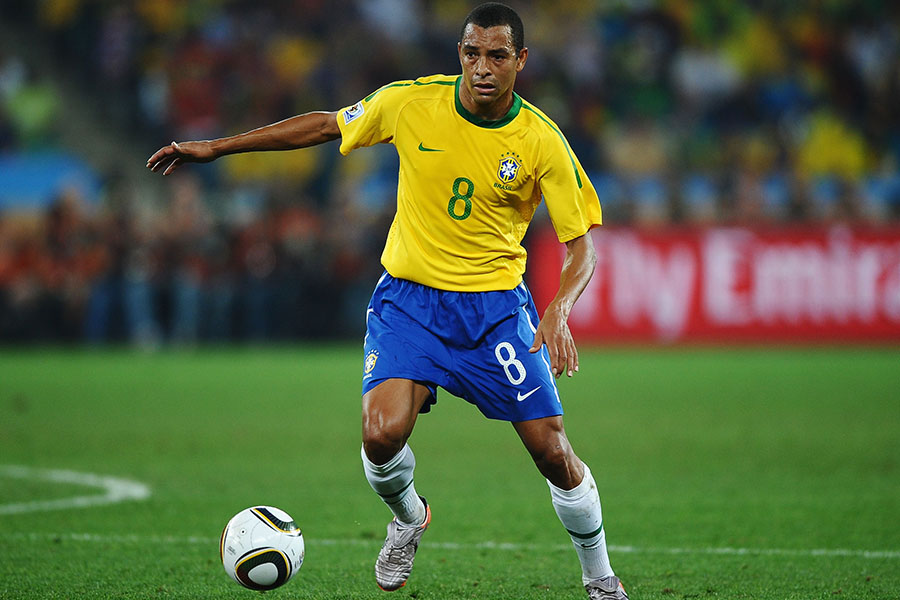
[(302, 131), (553, 330)]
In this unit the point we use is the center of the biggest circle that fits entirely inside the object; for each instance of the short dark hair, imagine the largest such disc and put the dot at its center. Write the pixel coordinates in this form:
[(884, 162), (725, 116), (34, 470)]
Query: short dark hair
[(492, 14)]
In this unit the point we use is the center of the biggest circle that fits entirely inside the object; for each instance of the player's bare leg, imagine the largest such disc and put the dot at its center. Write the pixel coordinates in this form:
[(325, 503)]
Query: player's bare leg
[(389, 412), (576, 501), (388, 417)]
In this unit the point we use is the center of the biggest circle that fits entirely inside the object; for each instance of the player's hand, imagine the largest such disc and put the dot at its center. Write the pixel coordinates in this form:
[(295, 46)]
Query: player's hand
[(553, 331), (168, 158)]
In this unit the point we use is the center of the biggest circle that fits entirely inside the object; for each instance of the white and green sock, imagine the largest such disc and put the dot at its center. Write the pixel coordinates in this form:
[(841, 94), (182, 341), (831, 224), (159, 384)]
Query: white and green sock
[(393, 481), (579, 511)]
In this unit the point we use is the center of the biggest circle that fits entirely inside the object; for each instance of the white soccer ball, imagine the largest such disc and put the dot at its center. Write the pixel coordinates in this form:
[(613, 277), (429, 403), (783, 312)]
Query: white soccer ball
[(261, 548)]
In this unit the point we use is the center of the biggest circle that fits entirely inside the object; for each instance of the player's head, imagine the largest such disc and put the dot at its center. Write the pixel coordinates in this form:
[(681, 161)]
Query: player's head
[(491, 51), (494, 14)]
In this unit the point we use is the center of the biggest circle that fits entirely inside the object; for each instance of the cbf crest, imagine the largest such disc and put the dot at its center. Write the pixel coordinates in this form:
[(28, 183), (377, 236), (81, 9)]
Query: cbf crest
[(371, 359), (510, 163)]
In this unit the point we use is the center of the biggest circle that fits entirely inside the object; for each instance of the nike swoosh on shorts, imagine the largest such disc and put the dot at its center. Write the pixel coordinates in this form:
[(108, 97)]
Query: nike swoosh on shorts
[(520, 396)]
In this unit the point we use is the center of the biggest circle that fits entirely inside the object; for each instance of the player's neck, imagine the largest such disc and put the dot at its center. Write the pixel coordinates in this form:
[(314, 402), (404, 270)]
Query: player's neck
[(489, 112)]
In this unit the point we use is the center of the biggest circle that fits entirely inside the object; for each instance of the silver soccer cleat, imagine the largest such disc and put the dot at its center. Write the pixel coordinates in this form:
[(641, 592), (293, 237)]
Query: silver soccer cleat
[(395, 560), (606, 588)]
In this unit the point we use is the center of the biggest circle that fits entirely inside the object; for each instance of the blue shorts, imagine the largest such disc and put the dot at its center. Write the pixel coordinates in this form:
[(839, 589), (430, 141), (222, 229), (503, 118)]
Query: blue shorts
[(472, 344)]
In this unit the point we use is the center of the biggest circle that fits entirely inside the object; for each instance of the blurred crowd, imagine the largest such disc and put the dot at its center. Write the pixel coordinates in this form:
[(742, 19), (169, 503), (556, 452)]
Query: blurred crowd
[(683, 112)]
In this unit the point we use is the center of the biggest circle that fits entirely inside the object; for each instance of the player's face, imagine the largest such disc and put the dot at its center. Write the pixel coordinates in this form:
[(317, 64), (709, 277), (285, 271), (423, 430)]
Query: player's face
[(489, 65)]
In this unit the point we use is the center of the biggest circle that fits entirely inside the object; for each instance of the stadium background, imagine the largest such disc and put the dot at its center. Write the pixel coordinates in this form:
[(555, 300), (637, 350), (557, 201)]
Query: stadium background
[(747, 157), (779, 119)]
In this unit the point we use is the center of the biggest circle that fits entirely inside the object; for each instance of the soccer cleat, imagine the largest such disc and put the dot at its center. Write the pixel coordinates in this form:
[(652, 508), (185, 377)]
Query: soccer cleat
[(395, 560), (606, 588)]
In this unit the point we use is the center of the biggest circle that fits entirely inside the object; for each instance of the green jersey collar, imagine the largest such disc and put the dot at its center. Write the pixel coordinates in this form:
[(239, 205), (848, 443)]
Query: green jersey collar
[(465, 114)]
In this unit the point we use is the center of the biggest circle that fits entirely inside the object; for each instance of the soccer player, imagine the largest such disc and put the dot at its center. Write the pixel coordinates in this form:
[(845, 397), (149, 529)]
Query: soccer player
[(451, 309)]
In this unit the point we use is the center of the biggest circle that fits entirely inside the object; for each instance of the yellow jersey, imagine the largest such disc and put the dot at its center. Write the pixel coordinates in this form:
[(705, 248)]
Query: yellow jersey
[(468, 188)]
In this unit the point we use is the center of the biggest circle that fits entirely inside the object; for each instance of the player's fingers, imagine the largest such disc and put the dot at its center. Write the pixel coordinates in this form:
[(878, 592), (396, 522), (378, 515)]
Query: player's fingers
[(566, 357), (538, 342), (161, 158), (557, 359), (176, 162), (571, 361), (565, 363), (154, 161)]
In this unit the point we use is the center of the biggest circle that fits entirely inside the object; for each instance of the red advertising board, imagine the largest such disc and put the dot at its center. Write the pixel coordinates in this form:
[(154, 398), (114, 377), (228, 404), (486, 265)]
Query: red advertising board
[(731, 284)]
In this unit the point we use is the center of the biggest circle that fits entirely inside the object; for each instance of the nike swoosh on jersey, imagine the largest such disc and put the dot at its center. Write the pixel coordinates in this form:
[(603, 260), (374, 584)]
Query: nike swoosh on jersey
[(424, 149), (520, 396)]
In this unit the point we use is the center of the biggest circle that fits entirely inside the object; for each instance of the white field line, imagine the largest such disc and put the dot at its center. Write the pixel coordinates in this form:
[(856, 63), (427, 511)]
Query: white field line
[(501, 546), (113, 489), (120, 490)]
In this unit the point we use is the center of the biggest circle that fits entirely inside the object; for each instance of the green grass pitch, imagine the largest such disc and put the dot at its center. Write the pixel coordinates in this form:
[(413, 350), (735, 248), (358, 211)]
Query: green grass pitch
[(725, 473)]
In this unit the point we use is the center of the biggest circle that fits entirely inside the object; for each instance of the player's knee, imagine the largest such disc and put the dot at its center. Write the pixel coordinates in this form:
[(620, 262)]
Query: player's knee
[(559, 465), (380, 451), (381, 441), (552, 458)]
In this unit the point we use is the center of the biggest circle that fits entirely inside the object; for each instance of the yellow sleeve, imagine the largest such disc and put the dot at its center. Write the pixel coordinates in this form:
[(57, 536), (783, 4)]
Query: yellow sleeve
[(571, 199), (372, 120)]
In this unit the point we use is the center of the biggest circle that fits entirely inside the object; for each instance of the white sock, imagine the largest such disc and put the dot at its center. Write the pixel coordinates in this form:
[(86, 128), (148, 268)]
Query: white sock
[(393, 481), (579, 511)]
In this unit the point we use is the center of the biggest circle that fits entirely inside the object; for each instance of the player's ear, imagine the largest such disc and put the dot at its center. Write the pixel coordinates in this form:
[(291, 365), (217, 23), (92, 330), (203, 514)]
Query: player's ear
[(521, 57)]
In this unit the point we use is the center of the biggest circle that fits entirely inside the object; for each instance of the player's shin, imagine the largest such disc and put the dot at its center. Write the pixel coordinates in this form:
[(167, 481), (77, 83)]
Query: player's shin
[(393, 481), (579, 511)]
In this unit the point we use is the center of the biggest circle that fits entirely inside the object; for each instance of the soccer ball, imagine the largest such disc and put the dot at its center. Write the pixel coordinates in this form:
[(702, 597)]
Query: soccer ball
[(261, 548)]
